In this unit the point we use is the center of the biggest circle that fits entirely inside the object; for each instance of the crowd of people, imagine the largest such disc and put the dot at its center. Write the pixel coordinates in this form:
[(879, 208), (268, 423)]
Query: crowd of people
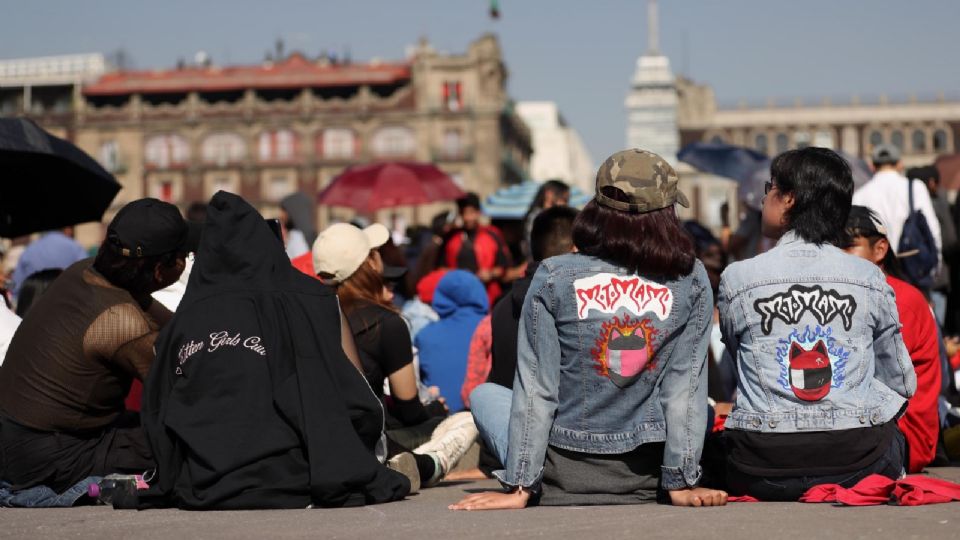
[(613, 355)]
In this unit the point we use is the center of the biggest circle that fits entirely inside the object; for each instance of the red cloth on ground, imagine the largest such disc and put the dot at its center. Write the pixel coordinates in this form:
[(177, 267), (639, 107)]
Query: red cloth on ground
[(479, 359), (921, 423), (914, 490), (742, 498)]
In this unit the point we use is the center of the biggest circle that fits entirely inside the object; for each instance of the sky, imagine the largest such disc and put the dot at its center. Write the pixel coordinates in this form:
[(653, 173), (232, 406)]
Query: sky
[(580, 54)]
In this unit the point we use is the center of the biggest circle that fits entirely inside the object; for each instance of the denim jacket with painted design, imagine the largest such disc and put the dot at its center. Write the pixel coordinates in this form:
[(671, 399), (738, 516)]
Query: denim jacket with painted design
[(607, 361), (817, 341)]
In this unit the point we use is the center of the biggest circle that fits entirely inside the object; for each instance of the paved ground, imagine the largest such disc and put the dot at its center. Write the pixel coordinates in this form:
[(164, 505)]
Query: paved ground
[(425, 517)]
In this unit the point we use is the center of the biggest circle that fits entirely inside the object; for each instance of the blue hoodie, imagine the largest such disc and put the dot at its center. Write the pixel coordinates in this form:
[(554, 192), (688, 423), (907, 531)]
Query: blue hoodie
[(461, 301)]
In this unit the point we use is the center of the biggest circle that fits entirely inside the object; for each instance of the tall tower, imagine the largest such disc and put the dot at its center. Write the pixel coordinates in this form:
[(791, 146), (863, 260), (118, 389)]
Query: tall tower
[(652, 101)]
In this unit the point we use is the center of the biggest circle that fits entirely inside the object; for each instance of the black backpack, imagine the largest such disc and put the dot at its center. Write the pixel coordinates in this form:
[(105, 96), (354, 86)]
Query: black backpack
[(919, 256)]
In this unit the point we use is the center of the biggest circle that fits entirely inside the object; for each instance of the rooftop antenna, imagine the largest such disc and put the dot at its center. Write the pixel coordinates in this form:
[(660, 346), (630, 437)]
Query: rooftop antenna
[(653, 29)]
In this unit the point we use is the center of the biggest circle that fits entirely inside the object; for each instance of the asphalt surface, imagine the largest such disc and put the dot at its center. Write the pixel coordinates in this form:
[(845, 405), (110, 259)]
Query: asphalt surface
[(425, 516)]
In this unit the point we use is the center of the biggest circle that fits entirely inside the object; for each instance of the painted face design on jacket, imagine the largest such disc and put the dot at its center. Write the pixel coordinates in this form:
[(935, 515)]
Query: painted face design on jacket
[(810, 371), (624, 349)]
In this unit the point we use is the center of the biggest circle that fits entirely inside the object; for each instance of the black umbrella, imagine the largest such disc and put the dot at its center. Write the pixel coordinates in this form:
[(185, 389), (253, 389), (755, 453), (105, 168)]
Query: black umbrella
[(46, 182)]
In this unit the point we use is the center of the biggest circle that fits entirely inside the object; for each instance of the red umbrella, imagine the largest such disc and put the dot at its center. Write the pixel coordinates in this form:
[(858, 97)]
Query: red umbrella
[(949, 167), (368, 188)]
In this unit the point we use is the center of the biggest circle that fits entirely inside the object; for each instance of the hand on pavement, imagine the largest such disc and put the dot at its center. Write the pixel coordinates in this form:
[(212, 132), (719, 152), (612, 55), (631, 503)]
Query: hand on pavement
[(698, 497), (493, 500)]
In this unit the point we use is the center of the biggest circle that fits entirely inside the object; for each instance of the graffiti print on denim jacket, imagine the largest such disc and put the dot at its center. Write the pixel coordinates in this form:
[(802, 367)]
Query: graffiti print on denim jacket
[(811, 362), (624, 349), (824, 304)]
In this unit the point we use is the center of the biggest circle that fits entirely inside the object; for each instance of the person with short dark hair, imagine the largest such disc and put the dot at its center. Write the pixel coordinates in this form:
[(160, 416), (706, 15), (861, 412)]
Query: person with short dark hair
[(920, 423), (823, 373), (609, 400), (72, 361), (551, 193), (941, 286), (477, 248), (33, 287)]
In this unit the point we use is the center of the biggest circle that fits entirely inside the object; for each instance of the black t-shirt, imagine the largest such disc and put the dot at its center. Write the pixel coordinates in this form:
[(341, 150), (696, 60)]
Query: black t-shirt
[(815, 453), (383, 341)]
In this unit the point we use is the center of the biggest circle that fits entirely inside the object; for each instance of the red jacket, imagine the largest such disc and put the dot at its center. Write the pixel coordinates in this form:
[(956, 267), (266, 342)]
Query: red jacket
[(489, 251), (921, 423)]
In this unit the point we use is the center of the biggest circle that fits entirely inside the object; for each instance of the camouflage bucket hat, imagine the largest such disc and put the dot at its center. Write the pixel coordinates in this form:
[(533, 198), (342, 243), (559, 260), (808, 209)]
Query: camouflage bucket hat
[(646, 178)]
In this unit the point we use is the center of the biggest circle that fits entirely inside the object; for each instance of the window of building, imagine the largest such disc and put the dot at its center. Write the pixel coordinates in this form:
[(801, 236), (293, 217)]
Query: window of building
[(223, 183), (164, 151), (223, 148), (110, 156), (919, 141), (452, 95), (760, 143), (279, 187), (277, 145), (896, 139), (338, 143), (166, 190), (783, 143), (939, 141), (801, 139), (876, 138), (452, 143), (823, 138), (394, 141)]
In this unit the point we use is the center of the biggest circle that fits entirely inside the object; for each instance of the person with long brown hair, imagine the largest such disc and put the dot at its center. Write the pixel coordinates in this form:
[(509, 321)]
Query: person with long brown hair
[(609, 401), (346, 257)]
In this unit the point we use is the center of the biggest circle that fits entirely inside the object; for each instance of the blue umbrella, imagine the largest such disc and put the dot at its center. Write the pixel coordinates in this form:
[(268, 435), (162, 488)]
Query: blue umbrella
[(750, 190), (513, 202), (721, 159)]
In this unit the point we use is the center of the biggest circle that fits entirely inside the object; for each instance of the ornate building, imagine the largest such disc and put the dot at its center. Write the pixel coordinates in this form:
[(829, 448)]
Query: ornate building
[(264, 131)]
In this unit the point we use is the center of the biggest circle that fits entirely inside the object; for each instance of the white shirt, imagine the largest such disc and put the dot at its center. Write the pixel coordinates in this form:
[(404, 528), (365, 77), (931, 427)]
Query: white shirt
[(886, 194), (8, 326), (171, 296)]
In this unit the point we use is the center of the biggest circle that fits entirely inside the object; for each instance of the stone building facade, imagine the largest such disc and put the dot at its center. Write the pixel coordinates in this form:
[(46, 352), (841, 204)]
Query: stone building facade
[(294, 123)]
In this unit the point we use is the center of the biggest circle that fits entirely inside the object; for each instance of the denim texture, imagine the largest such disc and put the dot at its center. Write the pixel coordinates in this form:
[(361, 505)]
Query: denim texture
[(817, 341), (43, 496), (607, 361)]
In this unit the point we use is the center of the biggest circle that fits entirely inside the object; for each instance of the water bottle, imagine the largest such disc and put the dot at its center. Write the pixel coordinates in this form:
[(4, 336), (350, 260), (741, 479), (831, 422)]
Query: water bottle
[(115, 487)]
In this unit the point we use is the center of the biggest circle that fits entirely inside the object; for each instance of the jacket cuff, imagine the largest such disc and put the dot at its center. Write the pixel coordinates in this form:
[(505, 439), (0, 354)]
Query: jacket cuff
[(674, 478), (533, 487)]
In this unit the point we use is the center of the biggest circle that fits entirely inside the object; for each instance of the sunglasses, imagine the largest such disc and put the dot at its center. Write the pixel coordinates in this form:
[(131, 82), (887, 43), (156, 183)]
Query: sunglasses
[(768, 187)]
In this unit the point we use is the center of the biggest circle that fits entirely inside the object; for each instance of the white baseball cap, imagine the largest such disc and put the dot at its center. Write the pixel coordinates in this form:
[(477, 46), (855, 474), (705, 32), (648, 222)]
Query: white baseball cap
[(341, 248)]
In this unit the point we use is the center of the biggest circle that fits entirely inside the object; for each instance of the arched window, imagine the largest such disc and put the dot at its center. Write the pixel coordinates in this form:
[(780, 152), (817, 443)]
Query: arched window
[(919, 141), (164, 151), (277, 145), (760, 143), (939, 141), (823, 138), (783, 142), (393, 141), (110, 156), (223, 148), (896, 139), (452, 143), (338, 143), (801, 139), (876, 138)]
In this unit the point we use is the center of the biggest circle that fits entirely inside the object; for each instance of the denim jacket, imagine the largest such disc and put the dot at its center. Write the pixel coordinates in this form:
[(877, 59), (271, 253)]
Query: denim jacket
[(817, 341), (608, 360)]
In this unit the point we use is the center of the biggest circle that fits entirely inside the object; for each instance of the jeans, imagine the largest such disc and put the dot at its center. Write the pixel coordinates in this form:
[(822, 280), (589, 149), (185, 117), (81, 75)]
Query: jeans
[(890, 465), (490, 405)]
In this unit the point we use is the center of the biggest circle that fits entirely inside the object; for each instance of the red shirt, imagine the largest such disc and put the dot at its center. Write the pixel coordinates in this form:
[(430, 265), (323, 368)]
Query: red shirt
[(921, 423)]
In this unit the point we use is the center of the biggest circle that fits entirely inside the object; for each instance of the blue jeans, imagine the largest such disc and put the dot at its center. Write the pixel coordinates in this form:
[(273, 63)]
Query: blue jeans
[(490, 405)]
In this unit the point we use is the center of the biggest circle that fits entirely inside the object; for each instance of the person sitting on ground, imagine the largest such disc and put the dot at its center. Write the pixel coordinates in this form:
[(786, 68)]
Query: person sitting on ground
[(444, 345), (609, 401), (33, 288), (348, 259), (477, 248), (823, 373), (920, 424), (73, 358), (253, 401)]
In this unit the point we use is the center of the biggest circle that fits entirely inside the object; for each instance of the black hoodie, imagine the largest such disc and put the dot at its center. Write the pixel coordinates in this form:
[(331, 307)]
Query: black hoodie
[(505, 329), (251, 402)]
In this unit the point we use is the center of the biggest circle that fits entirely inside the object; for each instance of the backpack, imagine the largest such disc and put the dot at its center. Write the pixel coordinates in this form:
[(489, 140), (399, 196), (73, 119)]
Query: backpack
[(918, 247)]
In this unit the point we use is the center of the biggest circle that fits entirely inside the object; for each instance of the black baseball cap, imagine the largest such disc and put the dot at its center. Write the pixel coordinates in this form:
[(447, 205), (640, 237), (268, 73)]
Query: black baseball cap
[(149, 227)]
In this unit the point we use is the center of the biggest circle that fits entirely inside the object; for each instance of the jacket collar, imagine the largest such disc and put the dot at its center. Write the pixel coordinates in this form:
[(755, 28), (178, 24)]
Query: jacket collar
[(789, 237)]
